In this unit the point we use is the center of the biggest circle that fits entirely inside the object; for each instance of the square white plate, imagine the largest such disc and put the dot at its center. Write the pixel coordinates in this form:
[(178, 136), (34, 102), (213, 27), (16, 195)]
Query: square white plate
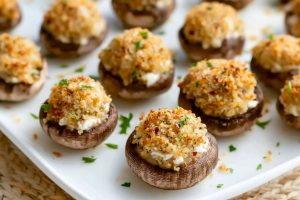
[(103, 178)]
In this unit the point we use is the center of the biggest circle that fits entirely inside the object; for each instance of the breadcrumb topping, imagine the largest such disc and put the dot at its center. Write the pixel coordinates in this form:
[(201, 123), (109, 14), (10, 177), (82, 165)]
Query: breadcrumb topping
[(20, 60), (74, 21), (9, 11), (294, 19), (211, 23), (140, 5), (290, 96), (279, 54), (137, 55), (79, 103), (171, 138), (220, 88)]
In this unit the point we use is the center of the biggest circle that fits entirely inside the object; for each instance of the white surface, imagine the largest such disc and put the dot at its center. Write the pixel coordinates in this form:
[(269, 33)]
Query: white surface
[(102, 179)]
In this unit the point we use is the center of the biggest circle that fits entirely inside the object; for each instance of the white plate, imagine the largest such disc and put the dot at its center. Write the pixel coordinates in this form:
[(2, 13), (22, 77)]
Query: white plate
[(102, 179)]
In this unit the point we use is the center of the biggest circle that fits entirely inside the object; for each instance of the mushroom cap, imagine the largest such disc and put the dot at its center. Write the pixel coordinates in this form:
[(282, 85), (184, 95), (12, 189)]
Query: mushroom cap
[(147, 18), (230, 126), (70, 50), (186, 177), (289, 119), (114, 86), (88, 139), (21, 91)]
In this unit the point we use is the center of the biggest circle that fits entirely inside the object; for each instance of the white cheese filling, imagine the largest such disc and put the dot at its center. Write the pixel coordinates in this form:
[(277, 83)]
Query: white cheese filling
[(252, 104), (151, 78), (89, 122)]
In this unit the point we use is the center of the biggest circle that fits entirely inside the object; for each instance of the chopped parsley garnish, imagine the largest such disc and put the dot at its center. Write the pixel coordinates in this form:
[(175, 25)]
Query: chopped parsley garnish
[(34, 116), (277, 144), (194, 64), (125, 123), (208, 64), (96, 78), (126, 184), (46, 107), (86, 87), (64, 65), (231, 148), (174, 60), (63, 82), (220, 185), (184, 121), (161, 32), (112, 146), (80, 70), (178, 78), (144, 34), (88, 159), (290, 87), (138, 45), (270, 36), (259, 167), (263, 124), (231, 170)]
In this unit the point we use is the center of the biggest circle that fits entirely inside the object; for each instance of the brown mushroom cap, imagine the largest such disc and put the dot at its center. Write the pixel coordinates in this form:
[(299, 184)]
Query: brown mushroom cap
[(7, 25), (238, 4), (114, 86), (226, 126), (21, 91), (186, 177), (288, 119), (69, 50), (146, 19), (288, 27), (229, 49), (88, 139), (271, 79)]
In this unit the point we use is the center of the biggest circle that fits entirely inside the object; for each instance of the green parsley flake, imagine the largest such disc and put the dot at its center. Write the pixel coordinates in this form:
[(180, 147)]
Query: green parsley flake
[(270, 36), (277, 144), (263, 124), (88, 159), (138, 45), (259, 167), (125, 123), (63, 82), (144, 34), (112, 146), (64, 65), (86, 87), (34, 116), (161, 33), (126, 184), (184, 121), (231, 148), (96, 78), (220, 185), (208, 64), (46, 107), (80, 70), (231, 170), (290, 89)]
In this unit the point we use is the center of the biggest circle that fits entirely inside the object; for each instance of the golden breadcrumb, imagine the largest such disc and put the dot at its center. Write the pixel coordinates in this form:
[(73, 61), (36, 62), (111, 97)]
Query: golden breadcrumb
[(135, 55), (20, 60), (140, 5), (220, 88), (290, 96), (78, 103), (9, 11), (211, 23), (278, 54), (171, 138), (74, 21)]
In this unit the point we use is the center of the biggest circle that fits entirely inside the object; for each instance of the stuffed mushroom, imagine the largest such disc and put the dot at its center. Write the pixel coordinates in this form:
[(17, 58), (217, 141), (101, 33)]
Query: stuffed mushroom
[(78, 114), (23, 71), (171, 149), (10, 14), (276, 60), (136, 65), (224, 93), (72, 28), (292, 18), (288, 103), (212, 30), (143, 13), (238, 4)]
